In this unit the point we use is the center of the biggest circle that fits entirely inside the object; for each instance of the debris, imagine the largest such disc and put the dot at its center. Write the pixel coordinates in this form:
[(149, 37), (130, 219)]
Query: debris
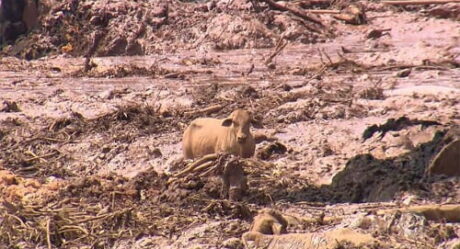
[(10, 106), (227, 166), (323, 11), (436, 213), (269, 150), (372, 93), (294, 11), (377, 33), (233, 243), (353, 14), (395, 125), (207, 110), (403, 73), (449, 10)]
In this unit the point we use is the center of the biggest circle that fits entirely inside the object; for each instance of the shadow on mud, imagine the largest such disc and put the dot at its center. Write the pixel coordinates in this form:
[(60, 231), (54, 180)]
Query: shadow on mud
[(368, 179)]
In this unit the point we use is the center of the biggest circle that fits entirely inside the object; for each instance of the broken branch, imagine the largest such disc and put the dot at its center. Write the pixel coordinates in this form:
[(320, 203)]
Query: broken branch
[(199, 162)]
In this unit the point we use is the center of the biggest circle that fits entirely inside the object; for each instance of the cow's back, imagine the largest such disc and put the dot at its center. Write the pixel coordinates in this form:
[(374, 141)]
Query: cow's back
[(201, 136)]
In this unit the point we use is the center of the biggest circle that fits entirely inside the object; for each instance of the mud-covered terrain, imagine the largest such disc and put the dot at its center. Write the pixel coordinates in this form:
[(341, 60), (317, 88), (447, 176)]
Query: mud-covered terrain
[(354, 113)]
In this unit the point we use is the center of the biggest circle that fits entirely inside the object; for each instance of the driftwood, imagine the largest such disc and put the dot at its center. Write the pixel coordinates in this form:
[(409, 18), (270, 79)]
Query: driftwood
[(420, 2), (295, 11)]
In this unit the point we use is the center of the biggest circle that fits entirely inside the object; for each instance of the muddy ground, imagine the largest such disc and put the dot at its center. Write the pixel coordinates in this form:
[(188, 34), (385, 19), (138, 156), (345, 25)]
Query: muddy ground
[(350, 117)]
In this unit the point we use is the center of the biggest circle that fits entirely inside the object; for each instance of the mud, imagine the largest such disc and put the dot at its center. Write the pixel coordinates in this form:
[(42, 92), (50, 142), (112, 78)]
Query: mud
[(93, 107)]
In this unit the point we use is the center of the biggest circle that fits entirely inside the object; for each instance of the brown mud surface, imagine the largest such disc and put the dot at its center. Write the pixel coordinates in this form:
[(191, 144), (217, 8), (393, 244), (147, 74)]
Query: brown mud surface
[(348, 122)]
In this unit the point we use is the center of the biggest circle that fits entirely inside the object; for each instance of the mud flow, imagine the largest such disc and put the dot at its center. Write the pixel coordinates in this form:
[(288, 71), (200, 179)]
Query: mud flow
[(355, 116)]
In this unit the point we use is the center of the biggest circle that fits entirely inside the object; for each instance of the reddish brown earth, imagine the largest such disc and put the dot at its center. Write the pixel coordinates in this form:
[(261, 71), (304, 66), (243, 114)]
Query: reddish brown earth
[(86, 154)]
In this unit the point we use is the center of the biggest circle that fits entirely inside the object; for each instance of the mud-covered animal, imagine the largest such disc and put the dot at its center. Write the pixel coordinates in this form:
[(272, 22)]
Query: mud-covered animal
[(266, 222), (234, 182), (230, 135)]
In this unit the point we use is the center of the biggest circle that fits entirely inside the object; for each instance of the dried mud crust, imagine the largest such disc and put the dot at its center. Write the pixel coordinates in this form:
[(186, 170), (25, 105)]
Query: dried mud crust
[(146, 27)]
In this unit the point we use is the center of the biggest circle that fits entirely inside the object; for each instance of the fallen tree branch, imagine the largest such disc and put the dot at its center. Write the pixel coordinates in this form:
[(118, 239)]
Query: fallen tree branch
[(195, 164), (295, 11), (420, 2)]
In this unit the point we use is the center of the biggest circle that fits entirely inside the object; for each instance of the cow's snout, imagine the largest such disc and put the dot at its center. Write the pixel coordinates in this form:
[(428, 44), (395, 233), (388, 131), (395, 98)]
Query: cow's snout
[(242, 138)]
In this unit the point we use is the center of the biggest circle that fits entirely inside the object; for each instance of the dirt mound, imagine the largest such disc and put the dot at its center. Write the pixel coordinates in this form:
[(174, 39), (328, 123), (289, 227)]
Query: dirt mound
[(367, 179), (146, 27)]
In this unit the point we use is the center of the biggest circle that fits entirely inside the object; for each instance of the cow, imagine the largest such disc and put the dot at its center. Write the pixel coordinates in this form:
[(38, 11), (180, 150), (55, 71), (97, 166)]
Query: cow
[(229, 135)]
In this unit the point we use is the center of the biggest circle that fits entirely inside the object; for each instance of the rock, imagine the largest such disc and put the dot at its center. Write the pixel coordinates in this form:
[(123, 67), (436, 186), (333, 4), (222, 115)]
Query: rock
[(233, 243), (447, 161)]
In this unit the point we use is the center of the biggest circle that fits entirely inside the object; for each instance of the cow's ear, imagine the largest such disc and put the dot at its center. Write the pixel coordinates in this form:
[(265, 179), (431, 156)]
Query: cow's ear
[(227, 122)]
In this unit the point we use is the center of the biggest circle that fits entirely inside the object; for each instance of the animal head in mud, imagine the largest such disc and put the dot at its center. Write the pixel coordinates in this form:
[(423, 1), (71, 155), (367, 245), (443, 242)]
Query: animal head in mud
[(230, 135), (266, 222), (234, 182), (239, 121)]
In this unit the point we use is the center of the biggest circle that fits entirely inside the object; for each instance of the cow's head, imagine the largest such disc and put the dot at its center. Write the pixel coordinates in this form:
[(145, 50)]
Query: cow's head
[(239, 121)]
